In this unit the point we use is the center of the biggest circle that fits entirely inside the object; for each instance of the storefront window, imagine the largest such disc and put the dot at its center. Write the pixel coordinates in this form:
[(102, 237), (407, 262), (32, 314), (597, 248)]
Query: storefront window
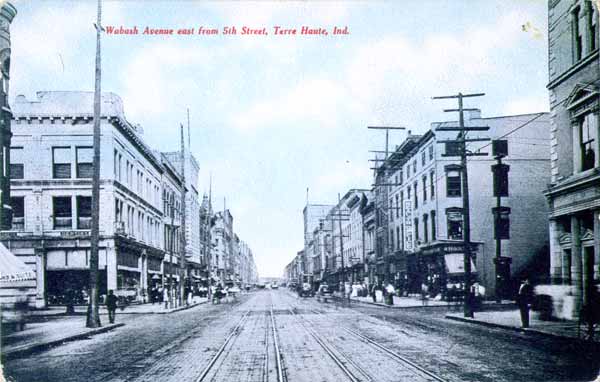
[(455, 223)]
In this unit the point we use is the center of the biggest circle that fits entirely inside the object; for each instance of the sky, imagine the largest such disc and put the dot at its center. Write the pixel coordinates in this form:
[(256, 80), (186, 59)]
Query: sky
[(272, 116)]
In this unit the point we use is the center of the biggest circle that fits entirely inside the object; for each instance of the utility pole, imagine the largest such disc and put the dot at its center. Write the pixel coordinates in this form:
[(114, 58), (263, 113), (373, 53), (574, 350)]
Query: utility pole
[(93, 315), (182, 262), (500, 181), (207, 239), (461, 140), (341, 240), (381, 196)]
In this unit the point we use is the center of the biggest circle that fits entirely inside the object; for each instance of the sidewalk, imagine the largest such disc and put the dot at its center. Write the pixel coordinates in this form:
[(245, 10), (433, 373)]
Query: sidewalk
[(50, 327), (400, 302), (129, 309), (511, 319), (39, 336)]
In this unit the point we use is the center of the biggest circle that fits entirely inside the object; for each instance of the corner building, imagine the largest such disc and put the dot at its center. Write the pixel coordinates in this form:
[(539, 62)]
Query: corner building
[(574, 192)]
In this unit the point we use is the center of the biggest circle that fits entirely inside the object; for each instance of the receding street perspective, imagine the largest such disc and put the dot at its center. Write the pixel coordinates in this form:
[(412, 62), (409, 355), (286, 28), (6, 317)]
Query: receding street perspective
[(312, 191)]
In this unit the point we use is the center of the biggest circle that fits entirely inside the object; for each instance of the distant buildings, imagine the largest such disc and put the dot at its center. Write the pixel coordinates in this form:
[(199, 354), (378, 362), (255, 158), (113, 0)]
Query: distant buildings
[(574, 191)]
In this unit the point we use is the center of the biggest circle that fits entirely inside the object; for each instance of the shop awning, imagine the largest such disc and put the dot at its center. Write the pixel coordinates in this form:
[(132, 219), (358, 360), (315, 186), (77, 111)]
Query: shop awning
[(455, 264), (12, 268)]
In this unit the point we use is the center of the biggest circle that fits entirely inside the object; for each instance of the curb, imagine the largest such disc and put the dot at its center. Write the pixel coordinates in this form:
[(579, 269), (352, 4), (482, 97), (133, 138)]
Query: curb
[(34, 348), (122, 312), (516, 329), (353, 301)]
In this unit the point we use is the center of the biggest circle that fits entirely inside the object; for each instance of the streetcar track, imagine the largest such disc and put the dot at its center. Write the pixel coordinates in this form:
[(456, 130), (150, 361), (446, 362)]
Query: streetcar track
[(389, 352), (328, 349), (232, 335)]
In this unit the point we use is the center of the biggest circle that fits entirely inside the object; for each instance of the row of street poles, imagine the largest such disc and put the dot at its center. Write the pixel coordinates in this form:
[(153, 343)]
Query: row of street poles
[(93, 315)]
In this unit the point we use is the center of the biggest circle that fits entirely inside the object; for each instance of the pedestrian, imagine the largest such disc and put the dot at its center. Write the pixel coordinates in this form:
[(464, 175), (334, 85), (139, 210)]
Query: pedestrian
[(166, 297), (373, 290), (424, 296), (524, 300), (390, 291), (111, 305)]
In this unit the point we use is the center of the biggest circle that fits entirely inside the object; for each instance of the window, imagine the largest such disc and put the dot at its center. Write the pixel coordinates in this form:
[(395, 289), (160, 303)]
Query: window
[(401, 204), (455, 222), (407, 171), (62, 212), (591, 26), (425, 231), (61, 162), (392, 239), (391, 208), (397, 207), (423, 158), (577, 38), (452, 149), (453, 188), (416, 229), (415, 166), (424, 188), (16, 163), (588, 129), (408, 192), (17, 204), (398, 238), (84, 212), (432, 184), (500, 179), (431, 152), (433, 226), (416, 195), (501, 223), (84, 162)]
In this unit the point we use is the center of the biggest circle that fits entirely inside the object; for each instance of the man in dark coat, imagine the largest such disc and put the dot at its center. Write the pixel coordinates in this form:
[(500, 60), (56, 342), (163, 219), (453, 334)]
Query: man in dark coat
[(111, 305), (524, 300)]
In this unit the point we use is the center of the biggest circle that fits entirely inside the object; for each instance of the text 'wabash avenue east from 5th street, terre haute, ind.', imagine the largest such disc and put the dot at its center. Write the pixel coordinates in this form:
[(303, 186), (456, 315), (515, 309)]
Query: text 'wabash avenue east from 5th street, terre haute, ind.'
[(230, 30)]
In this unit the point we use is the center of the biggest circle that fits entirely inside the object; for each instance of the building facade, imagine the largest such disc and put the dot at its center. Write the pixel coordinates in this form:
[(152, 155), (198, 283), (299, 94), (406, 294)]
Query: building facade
[(425, 221), (7, 14), (51, 198), (574, 192)]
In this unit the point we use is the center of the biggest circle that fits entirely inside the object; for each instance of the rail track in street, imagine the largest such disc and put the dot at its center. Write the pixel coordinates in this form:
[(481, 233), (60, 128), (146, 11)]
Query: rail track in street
[(342, 360), (419, 370), (270, 349)]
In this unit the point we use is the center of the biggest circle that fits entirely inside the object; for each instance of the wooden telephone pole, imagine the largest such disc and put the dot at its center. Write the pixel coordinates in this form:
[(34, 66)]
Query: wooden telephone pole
[(383, 200), (461, 141), (93, 314), (182, 262)]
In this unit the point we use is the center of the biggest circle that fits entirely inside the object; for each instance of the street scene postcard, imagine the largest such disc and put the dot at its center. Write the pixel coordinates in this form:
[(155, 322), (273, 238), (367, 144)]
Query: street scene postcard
[(312, 191)]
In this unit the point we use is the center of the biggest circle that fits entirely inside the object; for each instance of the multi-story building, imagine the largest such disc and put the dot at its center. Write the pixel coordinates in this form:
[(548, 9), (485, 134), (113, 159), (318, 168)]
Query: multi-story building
[(51, 196), (206, 222), (222, 239), (172, 210), (389, 260), (343, 223), (368, 234), (574, 192), (425, 218), (7, 14), (192, 209)]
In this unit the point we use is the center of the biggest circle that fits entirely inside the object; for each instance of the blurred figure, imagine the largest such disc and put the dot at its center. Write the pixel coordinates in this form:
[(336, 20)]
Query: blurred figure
[(111, 305), (524, 299)]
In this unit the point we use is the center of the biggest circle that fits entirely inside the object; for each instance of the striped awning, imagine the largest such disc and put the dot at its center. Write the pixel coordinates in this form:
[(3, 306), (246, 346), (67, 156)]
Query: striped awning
[(12, 268)]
